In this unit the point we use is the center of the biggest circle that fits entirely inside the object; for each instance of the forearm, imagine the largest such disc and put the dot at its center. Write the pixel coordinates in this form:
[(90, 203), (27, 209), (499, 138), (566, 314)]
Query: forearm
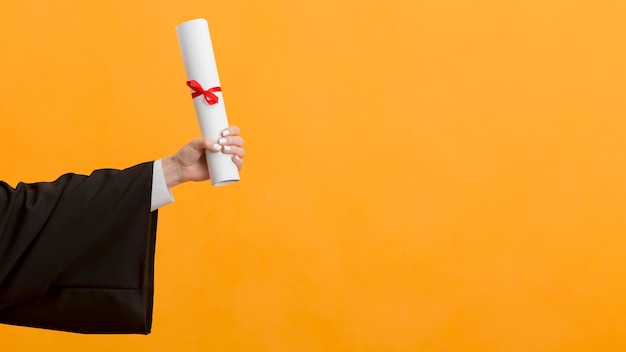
[(171, 171)]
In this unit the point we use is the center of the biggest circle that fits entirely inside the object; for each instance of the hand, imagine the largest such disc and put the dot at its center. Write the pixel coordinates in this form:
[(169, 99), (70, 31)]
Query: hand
[(189, 163)]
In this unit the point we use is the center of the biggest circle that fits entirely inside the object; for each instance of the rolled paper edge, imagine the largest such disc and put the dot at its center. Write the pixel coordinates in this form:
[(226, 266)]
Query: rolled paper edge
[(224, 183), (200, 19)]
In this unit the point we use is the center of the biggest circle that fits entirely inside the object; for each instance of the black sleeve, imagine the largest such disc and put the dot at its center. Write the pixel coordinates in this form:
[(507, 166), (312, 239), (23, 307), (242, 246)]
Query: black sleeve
[(77, 254)]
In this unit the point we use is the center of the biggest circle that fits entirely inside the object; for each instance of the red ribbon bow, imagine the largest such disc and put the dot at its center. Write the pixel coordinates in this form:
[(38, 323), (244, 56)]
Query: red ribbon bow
[(208, 94)]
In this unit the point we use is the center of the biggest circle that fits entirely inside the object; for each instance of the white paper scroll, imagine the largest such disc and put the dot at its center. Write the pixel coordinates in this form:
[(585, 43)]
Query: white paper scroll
[(197, 50)]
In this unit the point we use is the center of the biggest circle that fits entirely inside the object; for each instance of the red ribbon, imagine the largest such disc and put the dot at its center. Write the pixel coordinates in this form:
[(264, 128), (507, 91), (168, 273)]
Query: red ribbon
[(208, 94)]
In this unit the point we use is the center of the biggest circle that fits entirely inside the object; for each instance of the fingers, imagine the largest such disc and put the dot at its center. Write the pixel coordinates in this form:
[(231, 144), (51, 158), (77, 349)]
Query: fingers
[(231, 131), (229, 143), (229, 137), (237, 160), (231, 149), (209, 145), (233, 140), (232, 145)]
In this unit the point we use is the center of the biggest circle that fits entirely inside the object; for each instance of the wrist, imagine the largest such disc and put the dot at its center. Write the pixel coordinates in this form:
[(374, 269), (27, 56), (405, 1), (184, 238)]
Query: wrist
[(171, 171)]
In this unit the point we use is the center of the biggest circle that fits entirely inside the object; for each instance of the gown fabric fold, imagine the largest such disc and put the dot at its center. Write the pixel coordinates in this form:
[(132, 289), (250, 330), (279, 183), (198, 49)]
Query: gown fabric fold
[(77, 254)]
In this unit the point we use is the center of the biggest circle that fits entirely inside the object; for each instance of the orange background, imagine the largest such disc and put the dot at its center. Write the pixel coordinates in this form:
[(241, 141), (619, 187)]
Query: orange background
[(421, 175)]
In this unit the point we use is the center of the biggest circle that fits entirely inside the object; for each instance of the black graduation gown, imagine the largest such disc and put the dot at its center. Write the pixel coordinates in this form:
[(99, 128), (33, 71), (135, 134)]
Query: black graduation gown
[(77, 254)]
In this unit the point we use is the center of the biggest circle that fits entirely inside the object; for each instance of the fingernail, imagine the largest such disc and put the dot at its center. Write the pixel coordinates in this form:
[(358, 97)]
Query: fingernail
[(217, 147), (225, 133), (237, 157), (226, 148), (222, 140)]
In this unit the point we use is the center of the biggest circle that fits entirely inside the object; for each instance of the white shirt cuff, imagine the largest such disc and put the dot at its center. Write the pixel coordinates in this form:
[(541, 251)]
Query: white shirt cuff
[(161, 194)]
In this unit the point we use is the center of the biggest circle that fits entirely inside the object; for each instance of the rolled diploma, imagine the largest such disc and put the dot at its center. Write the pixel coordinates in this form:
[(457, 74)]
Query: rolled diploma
[(197, 51)]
